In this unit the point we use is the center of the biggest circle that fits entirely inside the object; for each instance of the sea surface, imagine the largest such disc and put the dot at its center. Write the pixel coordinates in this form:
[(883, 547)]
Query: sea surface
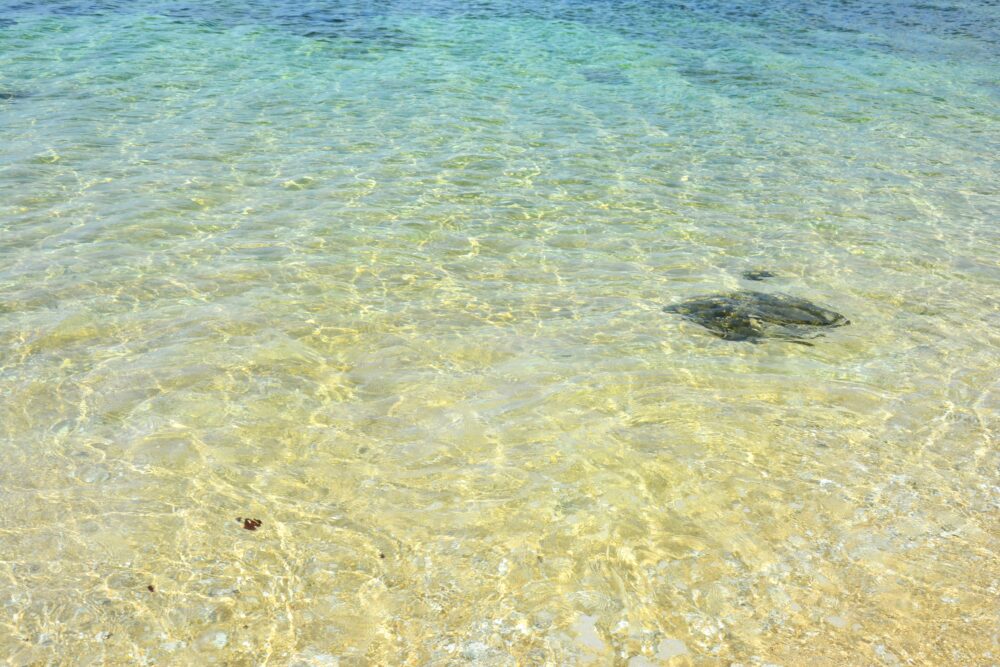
[(389, 277)]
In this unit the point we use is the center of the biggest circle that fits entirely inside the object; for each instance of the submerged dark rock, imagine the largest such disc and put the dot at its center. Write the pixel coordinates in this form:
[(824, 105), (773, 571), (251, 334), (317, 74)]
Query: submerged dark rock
[(754, 316), (759, 274)]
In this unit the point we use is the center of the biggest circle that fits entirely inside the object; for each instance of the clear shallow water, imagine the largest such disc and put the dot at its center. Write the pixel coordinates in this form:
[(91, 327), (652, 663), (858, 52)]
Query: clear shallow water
[(390, 278)]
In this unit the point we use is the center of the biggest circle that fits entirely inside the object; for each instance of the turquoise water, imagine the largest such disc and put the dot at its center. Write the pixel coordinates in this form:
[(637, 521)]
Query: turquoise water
[(390, 277)]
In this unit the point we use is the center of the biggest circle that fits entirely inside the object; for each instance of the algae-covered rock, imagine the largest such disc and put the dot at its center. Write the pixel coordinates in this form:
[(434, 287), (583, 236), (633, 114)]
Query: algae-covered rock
[(759, 274), (754, 316)]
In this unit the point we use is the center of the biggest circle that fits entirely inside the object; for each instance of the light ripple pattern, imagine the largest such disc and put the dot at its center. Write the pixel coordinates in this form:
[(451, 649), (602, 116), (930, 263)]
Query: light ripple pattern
[(390, 278)]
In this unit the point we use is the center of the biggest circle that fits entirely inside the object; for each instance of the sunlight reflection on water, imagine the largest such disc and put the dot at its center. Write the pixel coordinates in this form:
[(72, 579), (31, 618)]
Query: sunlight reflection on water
[(391, 280)]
